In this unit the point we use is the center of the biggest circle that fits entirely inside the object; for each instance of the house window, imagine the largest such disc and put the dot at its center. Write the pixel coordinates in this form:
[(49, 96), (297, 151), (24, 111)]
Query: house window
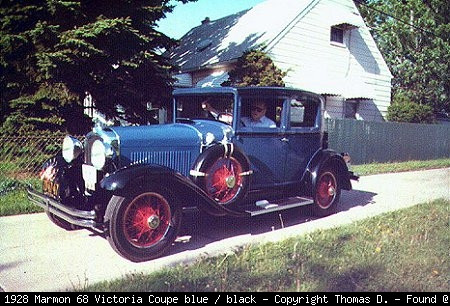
[(337, 35), (350, 109)]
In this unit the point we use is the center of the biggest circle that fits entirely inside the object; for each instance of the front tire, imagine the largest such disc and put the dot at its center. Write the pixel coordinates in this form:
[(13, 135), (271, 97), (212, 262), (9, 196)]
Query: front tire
[(143, 225), (327, 193)]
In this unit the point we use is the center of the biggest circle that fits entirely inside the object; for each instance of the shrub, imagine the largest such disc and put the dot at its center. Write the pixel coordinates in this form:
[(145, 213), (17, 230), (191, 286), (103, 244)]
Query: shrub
[(255, 68), (403, 110)]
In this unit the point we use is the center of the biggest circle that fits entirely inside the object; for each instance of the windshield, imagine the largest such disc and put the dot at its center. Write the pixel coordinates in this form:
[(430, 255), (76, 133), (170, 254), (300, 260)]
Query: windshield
[(212, 107)]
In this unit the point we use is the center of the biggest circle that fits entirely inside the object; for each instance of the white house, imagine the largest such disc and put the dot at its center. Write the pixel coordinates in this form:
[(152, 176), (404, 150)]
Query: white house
[(324, 45)]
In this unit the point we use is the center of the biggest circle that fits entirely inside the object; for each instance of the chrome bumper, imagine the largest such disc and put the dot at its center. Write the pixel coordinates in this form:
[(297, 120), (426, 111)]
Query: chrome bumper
[(83, 218)]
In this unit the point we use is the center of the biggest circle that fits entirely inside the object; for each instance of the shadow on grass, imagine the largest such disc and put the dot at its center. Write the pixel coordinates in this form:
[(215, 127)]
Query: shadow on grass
[(355, 279)]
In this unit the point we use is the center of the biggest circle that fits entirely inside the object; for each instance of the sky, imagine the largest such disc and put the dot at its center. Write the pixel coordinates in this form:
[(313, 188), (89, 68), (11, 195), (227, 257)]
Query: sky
[(186, 16)]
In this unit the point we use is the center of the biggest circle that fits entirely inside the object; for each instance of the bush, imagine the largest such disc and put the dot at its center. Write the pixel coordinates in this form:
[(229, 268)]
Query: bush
[(255, 68), (402, 110)]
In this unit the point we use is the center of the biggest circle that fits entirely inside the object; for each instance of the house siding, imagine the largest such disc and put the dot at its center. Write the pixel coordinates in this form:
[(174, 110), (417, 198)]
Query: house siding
[(298, 41), (306, 50)]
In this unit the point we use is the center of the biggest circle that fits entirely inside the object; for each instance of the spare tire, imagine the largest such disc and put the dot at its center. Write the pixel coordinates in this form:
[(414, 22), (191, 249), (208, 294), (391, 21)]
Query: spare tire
[(222, 171)]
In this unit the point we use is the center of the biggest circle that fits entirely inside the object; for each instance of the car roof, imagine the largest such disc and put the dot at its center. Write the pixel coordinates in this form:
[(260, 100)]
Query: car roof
[(279, 91)]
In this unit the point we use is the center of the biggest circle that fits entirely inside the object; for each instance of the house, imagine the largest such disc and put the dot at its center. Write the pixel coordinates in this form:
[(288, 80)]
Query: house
[(324, 45)]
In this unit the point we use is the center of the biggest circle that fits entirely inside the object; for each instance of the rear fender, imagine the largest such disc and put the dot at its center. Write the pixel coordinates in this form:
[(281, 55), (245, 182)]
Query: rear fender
[(145, 175), (322, 159)]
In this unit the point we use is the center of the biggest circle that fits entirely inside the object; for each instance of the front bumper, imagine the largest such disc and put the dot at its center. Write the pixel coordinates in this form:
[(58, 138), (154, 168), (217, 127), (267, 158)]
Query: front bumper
[(83, 218)]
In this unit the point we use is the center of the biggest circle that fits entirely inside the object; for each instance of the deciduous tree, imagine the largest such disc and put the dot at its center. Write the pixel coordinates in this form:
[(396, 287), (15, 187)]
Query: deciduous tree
[(414, 38), (255, 68)]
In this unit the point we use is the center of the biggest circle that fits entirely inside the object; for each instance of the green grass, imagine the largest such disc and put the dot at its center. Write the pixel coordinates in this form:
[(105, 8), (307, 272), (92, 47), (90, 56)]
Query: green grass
[(405, 250), (15, 203), (377, 168), (13, 197)]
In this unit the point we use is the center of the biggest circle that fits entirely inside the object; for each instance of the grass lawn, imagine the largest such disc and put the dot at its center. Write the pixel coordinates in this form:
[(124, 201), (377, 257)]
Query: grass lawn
[(405, 250), (13, 197), (377, 168)]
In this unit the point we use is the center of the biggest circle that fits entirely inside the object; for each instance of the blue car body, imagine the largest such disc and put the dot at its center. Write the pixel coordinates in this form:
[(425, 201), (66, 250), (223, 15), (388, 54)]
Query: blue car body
[(205, 157)]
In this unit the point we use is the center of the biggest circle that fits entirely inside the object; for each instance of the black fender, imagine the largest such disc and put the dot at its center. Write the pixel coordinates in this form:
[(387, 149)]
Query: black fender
[(63, 180), (325, 158), (142, 175)]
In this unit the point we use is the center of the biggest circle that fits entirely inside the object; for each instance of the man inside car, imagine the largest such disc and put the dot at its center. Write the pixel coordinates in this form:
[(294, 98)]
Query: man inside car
[(258, 116)]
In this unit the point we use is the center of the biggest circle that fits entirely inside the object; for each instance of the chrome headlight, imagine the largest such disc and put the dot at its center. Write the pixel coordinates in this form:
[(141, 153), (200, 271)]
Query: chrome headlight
[(100, 153), (98, 157), (71, 148)]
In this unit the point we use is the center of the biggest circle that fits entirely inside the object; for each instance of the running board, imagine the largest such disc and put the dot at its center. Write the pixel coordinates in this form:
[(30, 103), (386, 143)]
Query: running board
[(265, 207)]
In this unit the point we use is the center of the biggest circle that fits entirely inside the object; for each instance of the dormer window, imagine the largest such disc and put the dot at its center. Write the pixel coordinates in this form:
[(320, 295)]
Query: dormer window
[(203, 45), (337, 35)]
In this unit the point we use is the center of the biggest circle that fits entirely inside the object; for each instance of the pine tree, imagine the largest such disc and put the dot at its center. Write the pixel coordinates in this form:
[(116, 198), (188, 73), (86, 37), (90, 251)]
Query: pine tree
[(52, 52)]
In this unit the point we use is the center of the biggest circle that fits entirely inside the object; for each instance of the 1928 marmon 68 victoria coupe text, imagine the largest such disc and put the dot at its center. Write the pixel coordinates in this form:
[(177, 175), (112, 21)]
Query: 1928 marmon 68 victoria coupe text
[(132, 183)]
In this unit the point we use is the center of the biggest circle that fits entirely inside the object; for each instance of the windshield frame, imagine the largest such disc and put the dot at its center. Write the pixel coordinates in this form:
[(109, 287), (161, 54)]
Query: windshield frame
[(181, 93)]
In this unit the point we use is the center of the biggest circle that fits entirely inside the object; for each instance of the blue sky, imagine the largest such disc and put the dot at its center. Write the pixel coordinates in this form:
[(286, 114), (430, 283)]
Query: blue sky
[(186, 16)]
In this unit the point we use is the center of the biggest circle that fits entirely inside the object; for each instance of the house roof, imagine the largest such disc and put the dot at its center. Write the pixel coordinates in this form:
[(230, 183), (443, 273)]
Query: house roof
[(227, 38)]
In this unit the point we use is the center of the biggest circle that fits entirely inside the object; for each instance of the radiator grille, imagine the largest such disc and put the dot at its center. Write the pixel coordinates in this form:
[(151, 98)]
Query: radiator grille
[(177, 160)]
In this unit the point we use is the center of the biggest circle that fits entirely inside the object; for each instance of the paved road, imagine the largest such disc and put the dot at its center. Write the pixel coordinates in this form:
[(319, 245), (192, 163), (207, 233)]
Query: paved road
[(35, 255)]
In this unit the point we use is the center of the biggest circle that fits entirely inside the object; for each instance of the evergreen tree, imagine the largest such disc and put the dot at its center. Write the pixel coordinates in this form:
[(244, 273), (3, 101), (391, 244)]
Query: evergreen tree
[(255, 68), (414, 38), (53, 52)]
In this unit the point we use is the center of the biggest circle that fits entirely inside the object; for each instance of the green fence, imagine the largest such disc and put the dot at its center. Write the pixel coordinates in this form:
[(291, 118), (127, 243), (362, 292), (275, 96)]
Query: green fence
[(368, 142), (22, 157)]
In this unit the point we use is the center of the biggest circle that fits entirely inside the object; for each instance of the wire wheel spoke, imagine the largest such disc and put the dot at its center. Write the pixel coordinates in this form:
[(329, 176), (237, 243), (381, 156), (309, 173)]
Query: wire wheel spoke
[(223, 180), (146, 219)]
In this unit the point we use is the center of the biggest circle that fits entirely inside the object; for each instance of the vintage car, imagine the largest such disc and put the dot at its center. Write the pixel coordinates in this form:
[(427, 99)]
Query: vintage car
[(133, 183)]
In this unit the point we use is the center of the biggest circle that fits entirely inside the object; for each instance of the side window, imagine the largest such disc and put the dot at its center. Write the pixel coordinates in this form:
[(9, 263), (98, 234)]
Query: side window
[(303, 113), (261, 112)]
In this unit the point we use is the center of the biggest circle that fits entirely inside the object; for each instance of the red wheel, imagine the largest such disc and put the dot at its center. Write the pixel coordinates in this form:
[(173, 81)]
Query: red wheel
[(146, 219), (224, 173), (224, 180), (326, 190), (142, 225), (327, 193)]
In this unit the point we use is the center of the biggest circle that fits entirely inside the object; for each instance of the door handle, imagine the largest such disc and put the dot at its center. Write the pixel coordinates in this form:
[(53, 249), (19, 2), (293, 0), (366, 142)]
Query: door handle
[(284, 139)]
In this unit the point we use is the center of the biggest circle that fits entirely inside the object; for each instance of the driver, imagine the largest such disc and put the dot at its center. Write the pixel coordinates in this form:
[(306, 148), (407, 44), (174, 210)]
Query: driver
[(258, 116)]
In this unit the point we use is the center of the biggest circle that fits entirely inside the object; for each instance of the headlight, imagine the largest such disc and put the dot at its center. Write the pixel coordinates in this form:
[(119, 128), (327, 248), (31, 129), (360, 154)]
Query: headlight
[(71, 148), (100, 153), (98, 156)]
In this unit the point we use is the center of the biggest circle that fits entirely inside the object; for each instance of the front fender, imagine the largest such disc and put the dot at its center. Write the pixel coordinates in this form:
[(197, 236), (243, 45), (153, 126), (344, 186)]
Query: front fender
[(142, 175), (324, 158)]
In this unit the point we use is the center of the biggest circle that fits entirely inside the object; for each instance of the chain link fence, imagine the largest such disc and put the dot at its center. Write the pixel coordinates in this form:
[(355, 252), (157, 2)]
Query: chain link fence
[(21, 158)]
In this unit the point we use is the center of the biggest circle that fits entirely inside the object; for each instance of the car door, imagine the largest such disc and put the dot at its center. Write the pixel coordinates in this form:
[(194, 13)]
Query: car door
[(264, 146), (302, 135)]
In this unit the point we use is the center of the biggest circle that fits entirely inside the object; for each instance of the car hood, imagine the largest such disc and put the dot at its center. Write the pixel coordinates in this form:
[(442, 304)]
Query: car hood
[(221, 131), (190, 134)]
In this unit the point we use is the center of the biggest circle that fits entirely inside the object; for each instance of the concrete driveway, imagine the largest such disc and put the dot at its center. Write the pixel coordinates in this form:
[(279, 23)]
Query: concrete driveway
[(35, 255)]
